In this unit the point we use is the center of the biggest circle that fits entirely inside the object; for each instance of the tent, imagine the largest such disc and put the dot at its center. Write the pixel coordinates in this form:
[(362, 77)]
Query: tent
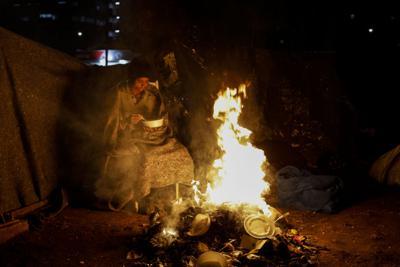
[(32, 88)]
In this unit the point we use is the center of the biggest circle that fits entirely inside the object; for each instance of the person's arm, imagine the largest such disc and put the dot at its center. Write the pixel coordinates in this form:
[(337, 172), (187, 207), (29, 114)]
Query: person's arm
[(136, 118)]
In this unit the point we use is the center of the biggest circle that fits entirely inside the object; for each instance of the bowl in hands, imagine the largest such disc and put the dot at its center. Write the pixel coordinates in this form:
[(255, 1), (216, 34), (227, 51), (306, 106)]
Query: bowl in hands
[(154, 123)]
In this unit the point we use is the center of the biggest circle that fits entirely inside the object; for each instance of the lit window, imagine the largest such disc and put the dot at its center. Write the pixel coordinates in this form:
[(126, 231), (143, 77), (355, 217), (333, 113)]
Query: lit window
[(117, 3), (79, 33), (123, 61), (116, 31), (47, 16), (370, 30), (98, 57), (117, 17)]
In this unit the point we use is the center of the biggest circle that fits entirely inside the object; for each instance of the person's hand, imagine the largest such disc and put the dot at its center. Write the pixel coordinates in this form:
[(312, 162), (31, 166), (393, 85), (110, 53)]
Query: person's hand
[(135, 118)]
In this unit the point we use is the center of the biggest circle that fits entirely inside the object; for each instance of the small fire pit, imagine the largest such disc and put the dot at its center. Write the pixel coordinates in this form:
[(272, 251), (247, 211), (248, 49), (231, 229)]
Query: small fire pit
[(226, 234), (230, 224)]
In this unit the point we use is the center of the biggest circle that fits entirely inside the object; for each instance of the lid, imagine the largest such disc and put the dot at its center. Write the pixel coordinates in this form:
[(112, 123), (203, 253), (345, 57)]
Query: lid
[(259, 226)]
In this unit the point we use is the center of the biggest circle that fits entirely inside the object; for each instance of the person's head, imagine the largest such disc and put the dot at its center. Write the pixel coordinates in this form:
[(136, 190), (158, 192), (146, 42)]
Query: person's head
[(140, 74), (140, 83)]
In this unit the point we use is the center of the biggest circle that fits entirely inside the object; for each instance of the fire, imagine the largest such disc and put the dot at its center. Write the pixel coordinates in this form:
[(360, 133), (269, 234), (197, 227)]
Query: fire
[(196, 191), (170, 232), (237, 176)]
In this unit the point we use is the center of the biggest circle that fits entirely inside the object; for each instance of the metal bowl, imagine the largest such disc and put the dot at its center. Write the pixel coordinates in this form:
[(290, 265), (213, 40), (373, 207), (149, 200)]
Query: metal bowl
[(200, 225), (211, 259)]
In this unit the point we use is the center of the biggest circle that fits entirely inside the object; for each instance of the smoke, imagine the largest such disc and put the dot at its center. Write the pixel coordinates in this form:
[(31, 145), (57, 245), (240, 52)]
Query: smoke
[(174, 217), (86, 106)]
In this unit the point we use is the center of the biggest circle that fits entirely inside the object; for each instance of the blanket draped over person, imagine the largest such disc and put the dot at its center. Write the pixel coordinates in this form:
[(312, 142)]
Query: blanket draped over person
[(149, 103), (128, 143)]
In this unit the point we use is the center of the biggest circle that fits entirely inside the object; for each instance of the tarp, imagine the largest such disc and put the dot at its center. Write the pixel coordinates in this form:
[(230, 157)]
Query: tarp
[(302, 190), (33, 80)]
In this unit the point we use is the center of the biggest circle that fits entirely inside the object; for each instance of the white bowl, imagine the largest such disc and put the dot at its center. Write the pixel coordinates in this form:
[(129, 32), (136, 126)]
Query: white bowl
[(260, 226), (154, 123)]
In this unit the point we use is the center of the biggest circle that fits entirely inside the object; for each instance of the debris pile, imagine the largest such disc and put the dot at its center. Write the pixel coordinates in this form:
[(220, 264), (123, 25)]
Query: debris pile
[(222, 235)]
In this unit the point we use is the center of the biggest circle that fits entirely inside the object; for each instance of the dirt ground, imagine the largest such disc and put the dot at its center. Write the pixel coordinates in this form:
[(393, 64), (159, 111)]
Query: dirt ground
[(367, 233)]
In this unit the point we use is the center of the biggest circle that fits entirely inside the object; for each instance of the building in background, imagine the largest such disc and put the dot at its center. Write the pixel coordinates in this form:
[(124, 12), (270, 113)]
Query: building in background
[(89, 30)]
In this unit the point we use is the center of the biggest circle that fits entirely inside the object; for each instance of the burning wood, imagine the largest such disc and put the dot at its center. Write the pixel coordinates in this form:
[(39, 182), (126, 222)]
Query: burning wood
[(230, 224)]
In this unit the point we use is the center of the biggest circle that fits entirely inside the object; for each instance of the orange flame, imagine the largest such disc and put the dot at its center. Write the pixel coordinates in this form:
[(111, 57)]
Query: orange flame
[(237, 176)]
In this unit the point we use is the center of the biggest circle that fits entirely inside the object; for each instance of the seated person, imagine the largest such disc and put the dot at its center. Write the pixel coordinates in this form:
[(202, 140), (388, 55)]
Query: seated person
[(137, 134)]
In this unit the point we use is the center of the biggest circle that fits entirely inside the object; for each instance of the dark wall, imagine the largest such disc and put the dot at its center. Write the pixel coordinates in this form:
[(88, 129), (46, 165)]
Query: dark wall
[(312, 46)]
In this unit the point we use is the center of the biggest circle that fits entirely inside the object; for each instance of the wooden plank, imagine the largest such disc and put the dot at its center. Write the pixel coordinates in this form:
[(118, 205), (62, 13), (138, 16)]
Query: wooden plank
[(12, 229), (22, 212)]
